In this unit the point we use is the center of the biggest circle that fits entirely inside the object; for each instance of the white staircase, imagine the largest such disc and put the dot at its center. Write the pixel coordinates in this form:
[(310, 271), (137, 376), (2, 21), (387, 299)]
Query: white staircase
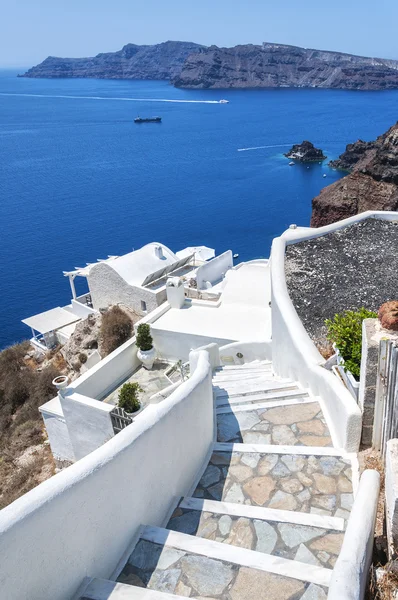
[(267, 517)]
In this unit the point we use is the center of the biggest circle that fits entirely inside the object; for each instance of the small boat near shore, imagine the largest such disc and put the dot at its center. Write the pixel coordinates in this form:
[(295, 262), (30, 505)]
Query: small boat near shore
[(148, 120), (291, 164)]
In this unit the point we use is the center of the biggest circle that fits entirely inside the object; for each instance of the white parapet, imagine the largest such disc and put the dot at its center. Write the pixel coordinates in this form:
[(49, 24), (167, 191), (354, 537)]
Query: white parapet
[(294, 355), (350, 574), (85, 518)]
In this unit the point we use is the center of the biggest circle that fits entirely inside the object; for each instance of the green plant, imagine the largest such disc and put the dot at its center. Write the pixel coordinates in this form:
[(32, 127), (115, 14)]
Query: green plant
[(116, 328), (144, 339), (128, 397), (83, 358), (345, 330)]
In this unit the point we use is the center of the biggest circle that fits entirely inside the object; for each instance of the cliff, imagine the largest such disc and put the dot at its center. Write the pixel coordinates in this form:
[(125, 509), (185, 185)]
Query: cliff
[(371, 185), (161, 61), (191, 65), (277, 65)]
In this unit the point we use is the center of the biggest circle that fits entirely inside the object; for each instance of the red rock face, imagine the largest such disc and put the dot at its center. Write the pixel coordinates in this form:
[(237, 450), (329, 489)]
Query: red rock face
[(388, 315), (371, 185)]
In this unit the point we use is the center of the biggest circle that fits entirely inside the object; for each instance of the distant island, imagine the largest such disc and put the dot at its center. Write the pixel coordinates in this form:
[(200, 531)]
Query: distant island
[(189, 65)]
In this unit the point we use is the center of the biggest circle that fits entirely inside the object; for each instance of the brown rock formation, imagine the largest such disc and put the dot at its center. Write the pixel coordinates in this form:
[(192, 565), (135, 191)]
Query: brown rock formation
[(371, 185)]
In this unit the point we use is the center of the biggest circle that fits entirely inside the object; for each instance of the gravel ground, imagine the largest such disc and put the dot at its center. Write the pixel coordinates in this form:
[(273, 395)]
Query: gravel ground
[(347, 269)]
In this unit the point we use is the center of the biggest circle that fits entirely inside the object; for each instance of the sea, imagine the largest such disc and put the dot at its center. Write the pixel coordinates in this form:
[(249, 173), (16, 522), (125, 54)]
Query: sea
[(79, 180)]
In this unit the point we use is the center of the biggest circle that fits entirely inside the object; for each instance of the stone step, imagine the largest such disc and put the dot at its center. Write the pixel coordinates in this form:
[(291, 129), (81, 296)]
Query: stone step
[(295, 478), (261, 529), (103, 589), (227, 553), (270, 395), (267, 376), (241, 389), (248, 366), (194, 567), (242, 373), (282, 424)]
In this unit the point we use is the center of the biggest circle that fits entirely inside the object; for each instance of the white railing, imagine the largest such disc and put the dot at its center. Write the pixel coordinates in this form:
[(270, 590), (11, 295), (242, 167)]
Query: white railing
[(85, 519), (242, 352), (294, 355)]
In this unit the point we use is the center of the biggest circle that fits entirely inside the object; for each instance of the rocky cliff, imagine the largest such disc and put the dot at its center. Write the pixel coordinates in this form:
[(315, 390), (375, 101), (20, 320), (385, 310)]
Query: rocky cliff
[(161, 61), (371, 185), (193, 66), (277, 65)]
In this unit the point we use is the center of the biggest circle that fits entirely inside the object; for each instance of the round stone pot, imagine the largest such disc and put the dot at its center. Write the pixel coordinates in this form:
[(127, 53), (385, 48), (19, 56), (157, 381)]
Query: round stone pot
[(147, 357), (137, 412)]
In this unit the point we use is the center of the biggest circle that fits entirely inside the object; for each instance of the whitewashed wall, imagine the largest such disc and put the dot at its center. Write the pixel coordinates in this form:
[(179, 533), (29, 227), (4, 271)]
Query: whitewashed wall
[(214, 270), (109, 372), (81, 521), (58, 436), (293, 352), (82, 310), (251, 351), (176, 345), (88, 421), (351, 571), (108, 288)]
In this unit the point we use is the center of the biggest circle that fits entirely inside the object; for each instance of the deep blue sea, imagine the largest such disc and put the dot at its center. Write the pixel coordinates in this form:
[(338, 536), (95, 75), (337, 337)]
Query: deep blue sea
[(79, 180)]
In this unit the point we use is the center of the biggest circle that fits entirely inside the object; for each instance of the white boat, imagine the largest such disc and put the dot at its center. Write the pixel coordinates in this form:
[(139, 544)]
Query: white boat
[(324, 174), (291, 164), (236, 255), (223, 101)]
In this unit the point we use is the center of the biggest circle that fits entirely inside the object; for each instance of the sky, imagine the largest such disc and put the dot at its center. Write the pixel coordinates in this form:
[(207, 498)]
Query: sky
[(31, 30)]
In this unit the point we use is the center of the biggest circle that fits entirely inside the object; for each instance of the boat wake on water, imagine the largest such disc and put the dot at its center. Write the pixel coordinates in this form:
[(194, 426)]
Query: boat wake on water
[(112, 98), (261, 147)]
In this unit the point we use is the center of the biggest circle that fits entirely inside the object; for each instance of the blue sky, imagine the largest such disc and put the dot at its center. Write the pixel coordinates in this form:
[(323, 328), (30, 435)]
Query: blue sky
[(30, 30)]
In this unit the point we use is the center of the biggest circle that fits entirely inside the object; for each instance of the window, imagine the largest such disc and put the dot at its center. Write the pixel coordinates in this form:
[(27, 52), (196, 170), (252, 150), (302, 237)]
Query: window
[(143, 306)]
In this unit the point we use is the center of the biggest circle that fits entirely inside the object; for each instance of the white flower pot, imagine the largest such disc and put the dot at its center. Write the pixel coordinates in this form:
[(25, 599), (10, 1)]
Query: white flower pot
[(147, 357)]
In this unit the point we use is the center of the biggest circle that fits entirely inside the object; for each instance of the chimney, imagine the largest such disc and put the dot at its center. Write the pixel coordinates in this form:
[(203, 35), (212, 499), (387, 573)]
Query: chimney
[(159, 251)]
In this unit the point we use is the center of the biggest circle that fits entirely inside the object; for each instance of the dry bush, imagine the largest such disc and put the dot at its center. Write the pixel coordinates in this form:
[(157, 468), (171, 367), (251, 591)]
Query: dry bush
[(21, 480), (59, 362), (116, 328), (22, 391), (384, 587)]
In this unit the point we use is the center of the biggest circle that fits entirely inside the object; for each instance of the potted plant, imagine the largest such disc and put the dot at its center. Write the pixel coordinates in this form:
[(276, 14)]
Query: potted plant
[(146, 352), (128, 397)]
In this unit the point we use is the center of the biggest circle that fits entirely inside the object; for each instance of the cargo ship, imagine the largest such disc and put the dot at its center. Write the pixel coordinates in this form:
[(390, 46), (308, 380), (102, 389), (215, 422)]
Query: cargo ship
[(147, 119)]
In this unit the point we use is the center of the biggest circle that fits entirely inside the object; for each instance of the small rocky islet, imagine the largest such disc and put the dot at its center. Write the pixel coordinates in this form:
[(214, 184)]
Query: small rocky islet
[(305, 152)]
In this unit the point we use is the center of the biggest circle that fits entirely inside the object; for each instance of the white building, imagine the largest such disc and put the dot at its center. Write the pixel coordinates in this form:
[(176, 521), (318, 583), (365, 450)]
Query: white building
[(74, 535), (136, 280)]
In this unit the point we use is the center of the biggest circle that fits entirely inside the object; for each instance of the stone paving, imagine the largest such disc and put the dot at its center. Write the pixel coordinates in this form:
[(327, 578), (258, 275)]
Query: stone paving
[(151, 382), (177, 572), (292, 425), (311, 545), (309, 483), (319, 485)]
